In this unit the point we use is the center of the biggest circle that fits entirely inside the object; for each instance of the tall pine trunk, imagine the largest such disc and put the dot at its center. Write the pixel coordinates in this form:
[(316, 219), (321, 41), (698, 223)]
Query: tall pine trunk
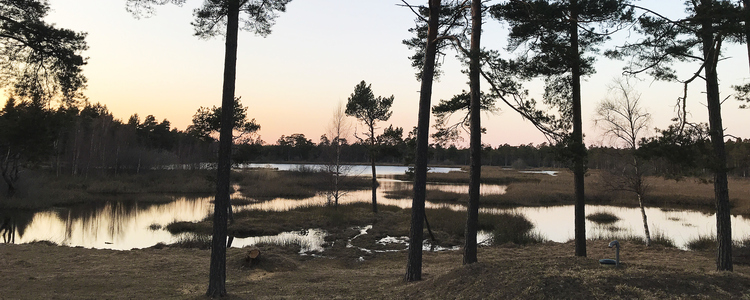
[(475, 143), (416, 234), (711, 50), (579, 150), (218, 274)]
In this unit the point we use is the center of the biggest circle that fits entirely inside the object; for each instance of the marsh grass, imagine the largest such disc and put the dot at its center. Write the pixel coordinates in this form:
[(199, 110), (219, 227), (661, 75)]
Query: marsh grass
[(514, 228), (702, 243), (154, 227), (616, 235), (602, 218), (435, 196), (194, 240), (268, 184), (490, 175), (41, 189), (185, 227), (658, 237)]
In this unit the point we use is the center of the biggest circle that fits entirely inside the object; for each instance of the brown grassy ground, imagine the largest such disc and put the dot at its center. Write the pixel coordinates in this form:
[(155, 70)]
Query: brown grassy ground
[(542, 271)]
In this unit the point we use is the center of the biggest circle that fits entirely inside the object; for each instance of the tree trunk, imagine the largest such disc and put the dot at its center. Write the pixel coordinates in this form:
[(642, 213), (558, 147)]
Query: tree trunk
[(416, 234), (218, 275), (338, 173), (475, 144), (579, 168), (374, 176), (746, 10), (711, 50), (645, 220)]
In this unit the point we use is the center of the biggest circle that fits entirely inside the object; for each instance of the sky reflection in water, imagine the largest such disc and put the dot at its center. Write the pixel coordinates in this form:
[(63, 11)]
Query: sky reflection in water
[(125, 225)]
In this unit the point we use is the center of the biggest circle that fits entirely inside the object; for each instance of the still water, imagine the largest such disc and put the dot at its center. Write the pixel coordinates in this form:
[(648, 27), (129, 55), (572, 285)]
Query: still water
[(350, 169), (127, 225)]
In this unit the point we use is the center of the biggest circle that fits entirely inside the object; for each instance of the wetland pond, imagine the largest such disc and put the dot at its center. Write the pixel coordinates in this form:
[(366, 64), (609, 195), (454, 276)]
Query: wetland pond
[(124, 225)]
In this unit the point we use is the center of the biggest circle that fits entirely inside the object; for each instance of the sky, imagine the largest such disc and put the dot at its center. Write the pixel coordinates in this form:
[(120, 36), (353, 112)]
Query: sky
[(293, 80)]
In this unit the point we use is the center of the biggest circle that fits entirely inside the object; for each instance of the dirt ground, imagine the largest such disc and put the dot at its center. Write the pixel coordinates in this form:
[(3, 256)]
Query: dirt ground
[(541, 271)]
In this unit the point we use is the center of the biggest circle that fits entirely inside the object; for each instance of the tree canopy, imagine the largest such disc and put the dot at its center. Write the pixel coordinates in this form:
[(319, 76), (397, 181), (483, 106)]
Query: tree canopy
[(37, 59), (207, 122)]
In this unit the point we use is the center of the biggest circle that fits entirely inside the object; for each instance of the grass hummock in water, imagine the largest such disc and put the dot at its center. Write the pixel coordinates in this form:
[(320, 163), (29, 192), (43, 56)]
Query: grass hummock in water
[(602, 218)]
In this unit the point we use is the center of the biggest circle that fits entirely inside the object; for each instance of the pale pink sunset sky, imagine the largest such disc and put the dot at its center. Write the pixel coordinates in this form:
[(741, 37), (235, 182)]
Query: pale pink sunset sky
[(319, 50)]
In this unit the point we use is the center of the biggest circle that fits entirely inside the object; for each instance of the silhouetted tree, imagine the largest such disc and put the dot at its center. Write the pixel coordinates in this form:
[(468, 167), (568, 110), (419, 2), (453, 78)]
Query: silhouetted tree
[(258, 17), (426, 72), (207, 122), (296, 146), (707, 26), (556, 37), (27, 136), (475, 142), (369, 110), (38, 60)]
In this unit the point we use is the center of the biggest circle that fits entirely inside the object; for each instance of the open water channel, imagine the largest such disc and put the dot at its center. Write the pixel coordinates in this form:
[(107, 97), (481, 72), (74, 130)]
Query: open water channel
[(125, 225)]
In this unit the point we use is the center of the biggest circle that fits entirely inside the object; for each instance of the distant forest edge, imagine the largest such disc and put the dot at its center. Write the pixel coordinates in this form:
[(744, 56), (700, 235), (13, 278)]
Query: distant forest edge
[(89, 141)]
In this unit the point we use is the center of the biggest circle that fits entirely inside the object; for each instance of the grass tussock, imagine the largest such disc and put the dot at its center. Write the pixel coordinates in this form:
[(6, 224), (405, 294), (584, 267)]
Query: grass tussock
[(702, 243), (194, 240), (514, 228), (602, 218), (660, 238)]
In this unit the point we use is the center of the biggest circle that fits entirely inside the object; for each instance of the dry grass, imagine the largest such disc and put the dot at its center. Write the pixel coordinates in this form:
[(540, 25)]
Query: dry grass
[(545, 190), (539, 271), (268, 184), (38, 189)]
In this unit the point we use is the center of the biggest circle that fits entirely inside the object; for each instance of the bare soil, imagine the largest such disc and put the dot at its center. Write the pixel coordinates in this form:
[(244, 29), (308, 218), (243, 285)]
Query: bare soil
[(541, 271)]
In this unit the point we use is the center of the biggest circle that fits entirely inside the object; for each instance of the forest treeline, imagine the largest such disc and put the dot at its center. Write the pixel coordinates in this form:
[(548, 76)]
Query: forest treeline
[(88, 140)]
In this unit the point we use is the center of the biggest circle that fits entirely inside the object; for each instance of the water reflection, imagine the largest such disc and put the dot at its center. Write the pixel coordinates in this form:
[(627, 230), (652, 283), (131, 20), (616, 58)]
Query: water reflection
[(353, 169), (682, 226), (120, 225), (126, 224)]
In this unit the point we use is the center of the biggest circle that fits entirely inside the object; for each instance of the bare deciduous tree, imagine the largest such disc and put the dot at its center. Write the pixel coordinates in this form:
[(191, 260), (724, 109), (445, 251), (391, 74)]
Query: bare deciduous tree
[(338, 130), (624, 121)]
